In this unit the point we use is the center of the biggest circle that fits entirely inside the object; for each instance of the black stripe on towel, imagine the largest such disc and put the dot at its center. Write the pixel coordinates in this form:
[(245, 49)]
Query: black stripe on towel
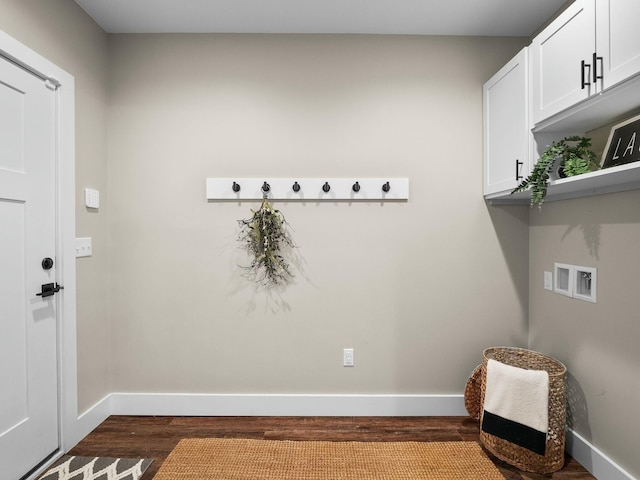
[(514, 432)]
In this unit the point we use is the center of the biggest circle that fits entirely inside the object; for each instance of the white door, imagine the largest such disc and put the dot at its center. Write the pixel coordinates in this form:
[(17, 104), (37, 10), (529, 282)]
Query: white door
[(28, 323)]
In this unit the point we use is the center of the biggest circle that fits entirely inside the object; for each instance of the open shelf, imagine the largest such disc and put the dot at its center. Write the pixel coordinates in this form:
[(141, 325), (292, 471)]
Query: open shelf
[(609, 180)]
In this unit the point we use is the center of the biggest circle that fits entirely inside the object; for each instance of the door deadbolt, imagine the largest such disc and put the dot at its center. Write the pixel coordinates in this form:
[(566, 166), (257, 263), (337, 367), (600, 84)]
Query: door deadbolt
[(47, 263)]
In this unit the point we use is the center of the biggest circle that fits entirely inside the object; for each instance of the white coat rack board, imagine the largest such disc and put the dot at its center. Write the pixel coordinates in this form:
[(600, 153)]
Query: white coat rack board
[(309, 189)]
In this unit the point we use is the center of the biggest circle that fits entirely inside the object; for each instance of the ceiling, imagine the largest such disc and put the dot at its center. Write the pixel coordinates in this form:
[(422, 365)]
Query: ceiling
[(402, 17)]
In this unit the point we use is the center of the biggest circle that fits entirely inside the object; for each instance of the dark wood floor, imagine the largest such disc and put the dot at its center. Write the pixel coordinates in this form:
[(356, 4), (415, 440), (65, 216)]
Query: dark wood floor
[(155, 437)]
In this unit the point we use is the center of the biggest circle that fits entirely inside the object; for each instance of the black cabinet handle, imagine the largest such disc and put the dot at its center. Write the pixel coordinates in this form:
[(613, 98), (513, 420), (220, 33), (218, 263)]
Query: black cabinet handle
[(584, 76), (518, 170), (597, 59)]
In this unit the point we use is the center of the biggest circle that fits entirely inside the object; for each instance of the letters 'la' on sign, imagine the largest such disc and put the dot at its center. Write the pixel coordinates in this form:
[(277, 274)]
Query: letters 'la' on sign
[(623, 145)]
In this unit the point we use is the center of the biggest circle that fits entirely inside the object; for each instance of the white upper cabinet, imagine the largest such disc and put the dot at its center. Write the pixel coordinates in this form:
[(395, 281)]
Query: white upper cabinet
[(561, 61), (591, 46), (584, 73), (506, 127), (617, 40)]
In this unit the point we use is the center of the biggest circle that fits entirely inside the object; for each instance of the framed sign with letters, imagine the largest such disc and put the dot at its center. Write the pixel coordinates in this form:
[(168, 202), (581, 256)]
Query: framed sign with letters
[(623, 145)]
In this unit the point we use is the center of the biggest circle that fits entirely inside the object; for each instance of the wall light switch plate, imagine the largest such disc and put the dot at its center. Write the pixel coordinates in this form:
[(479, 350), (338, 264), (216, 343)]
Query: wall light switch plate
[(83, 247), (91, 198)]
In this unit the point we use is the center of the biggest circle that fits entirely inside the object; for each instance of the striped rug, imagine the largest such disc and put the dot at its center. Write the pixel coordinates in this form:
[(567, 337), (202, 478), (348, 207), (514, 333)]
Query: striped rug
[(97, 468)]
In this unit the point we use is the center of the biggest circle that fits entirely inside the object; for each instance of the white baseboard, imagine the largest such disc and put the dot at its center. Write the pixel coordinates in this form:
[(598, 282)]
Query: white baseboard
[(591, 458), (595, 461), (286, 405), (87, 421)]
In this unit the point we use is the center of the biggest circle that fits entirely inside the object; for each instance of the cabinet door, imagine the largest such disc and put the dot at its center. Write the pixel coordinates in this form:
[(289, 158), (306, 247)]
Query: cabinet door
[(618, 39), (558, 53), (506, 126)]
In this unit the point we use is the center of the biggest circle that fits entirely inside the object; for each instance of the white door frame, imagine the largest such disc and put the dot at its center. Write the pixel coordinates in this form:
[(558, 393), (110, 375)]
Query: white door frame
[(70, 428)]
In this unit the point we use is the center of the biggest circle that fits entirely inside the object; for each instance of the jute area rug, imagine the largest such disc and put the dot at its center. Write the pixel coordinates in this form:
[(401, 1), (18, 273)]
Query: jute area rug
[(97, 468), (242, 459)]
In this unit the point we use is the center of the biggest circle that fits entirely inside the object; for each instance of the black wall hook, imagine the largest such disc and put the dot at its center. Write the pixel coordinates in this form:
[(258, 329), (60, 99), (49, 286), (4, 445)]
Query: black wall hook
[(296, 187), (356, 187), (386, 187), (235, 187), (326, 187), (265, 187)]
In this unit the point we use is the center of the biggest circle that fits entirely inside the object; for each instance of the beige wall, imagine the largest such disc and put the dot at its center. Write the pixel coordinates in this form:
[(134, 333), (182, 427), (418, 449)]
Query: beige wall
[(417, 288), (413, 287), (61, 32), (597, 342)]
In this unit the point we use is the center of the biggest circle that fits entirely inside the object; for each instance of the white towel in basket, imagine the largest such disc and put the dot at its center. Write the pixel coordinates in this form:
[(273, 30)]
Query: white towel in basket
[(516, 405)]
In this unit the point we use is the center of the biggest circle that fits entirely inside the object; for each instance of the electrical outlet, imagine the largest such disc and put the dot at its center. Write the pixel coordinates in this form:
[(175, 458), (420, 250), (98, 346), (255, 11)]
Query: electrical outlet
[(347, 357)]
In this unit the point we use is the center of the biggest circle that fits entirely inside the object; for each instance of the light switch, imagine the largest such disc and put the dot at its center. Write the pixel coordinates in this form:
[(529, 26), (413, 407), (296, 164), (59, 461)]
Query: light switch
[(91, 198), (83, 247)]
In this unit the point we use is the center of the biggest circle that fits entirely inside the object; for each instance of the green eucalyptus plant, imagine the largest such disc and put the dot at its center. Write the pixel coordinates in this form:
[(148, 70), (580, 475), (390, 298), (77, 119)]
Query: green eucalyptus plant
[(575, 157), (264, 236)]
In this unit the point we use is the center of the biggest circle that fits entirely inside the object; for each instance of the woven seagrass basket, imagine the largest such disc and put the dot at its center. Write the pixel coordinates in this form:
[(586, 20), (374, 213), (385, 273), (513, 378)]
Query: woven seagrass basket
[(472, 390), (524, 459)]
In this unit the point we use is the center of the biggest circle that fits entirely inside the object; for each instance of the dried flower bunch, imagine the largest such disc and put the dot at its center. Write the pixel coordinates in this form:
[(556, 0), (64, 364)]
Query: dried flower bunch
[(264, 236)]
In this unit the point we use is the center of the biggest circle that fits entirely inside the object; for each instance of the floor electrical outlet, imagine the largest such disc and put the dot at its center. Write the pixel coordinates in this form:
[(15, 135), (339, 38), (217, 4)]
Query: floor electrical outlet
[(347, 357)]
